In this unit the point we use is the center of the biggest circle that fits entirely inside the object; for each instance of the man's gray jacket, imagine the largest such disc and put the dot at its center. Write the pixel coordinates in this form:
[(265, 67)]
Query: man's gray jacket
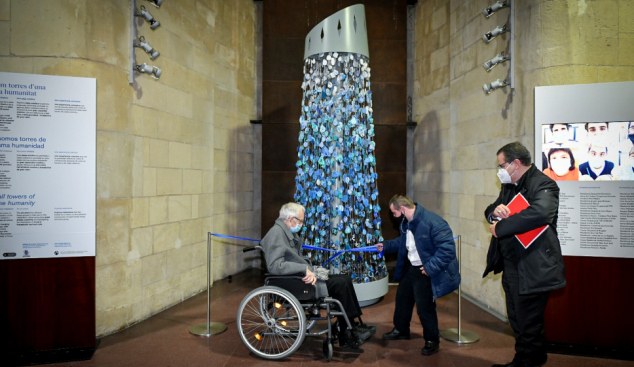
[(282, 253)]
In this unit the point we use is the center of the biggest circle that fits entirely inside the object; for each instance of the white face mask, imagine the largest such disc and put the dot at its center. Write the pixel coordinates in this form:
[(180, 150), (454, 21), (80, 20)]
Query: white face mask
[(596, 162), (504, 175), (560, 166), (559, 138)]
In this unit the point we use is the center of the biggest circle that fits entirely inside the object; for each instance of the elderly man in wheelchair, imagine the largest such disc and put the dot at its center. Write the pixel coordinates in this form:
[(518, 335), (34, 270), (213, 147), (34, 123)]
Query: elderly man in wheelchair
[(273, 320)]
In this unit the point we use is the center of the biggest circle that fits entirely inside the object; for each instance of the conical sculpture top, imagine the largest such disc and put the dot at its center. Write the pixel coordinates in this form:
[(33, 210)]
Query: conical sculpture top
[(344, 31)]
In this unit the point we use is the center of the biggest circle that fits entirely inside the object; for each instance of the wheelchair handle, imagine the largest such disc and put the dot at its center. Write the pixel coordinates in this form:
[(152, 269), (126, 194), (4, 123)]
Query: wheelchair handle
[(247, 249)]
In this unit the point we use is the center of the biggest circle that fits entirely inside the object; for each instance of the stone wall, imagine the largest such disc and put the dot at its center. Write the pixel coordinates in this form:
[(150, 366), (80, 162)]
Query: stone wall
[(460, 128), (174, 157)]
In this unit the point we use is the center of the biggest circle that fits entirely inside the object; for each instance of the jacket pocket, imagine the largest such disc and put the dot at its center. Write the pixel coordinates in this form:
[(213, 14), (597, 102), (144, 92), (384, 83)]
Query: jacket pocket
[(448, 275), (443, 277), (451, 271)]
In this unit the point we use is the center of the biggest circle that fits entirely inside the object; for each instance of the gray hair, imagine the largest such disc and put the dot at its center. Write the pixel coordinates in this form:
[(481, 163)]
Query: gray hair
[(290, 210)]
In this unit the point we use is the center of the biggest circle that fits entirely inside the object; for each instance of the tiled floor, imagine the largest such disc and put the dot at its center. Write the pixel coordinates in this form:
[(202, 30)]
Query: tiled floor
[(164, 339)]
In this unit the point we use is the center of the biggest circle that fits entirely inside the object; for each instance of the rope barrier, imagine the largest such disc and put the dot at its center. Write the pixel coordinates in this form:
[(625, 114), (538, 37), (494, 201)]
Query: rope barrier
[(338, 252)]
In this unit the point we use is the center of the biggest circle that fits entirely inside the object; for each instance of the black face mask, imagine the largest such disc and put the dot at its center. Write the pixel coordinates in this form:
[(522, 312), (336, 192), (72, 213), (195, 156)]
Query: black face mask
[(631, 137)]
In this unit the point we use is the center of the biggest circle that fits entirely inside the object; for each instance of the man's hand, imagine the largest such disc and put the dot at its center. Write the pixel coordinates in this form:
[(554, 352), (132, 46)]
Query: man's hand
[(422, 269), (492, 229), (379, 246), (310, 277), (502, 211)]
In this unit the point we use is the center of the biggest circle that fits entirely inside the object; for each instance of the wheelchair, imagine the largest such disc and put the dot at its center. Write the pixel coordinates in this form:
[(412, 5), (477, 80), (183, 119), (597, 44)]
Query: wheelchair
[(273, 320)]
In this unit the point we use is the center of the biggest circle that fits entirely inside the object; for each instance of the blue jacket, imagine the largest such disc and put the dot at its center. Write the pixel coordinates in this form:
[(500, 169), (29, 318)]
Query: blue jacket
[(436, 248), (584, 169)]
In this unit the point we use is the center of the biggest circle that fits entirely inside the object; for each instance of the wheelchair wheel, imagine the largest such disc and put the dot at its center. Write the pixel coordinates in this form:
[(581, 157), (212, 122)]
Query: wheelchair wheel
[(327, 349), (271, 322)]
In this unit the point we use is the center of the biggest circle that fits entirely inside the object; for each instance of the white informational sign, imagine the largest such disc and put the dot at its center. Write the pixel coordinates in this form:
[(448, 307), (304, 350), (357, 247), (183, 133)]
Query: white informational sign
[(47, 166), (585, 137)]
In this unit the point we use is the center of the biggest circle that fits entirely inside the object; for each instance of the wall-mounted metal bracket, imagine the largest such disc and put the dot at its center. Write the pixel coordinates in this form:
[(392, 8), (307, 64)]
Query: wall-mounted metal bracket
[(132, 39), (487, 37), (152, 70), (512, 45)]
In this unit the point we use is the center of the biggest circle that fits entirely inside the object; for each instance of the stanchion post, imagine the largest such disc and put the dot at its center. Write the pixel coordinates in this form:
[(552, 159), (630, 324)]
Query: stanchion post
[(458, 335), (208, 328), (460, 286)]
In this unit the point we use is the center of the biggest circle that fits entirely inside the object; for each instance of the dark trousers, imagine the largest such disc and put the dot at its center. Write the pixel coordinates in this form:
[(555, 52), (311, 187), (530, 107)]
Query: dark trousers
[(340, 288), (415, 288), (526, 316)]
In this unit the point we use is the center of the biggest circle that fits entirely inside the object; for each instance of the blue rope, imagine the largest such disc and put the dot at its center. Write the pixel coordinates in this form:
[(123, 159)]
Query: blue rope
[(338, 252), (333, 257), (251, 239), (358, 249), (237, 238)]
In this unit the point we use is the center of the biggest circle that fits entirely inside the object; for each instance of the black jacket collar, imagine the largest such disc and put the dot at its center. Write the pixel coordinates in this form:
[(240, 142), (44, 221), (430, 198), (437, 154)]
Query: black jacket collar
[(523, 181)]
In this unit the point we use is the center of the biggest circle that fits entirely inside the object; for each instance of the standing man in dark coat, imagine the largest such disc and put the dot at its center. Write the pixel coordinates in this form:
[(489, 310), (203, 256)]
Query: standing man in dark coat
[(426, 267), (529, 273)]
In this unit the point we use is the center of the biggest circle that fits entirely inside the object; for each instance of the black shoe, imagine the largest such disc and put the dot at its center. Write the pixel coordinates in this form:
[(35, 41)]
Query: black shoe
[(353, 338), (430, 348), (348, 340), (362, 334), (538, 361), (396, 335), (366, 327)]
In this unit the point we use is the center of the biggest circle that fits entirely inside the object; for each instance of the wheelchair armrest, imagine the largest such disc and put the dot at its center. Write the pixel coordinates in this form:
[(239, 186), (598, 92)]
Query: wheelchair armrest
[(290, 276), (247, 249)]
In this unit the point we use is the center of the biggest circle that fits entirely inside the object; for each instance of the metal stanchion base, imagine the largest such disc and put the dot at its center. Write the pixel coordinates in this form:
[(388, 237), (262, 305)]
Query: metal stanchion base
[(214, 328), (465, 336)]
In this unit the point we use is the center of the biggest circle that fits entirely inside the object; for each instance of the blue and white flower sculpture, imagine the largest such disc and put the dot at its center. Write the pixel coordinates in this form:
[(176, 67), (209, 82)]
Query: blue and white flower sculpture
[(336, 168)]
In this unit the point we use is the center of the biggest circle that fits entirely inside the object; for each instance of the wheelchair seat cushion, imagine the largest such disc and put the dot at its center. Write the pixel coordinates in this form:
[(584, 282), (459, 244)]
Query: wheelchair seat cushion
[(293, 284)]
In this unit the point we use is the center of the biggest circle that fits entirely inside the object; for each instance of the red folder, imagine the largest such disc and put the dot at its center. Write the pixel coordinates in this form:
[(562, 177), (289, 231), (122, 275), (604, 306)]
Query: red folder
[(516, 205)]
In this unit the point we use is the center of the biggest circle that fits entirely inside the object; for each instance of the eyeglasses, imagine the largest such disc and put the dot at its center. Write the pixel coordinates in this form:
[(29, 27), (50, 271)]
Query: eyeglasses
[(300, 221), (501, 165)]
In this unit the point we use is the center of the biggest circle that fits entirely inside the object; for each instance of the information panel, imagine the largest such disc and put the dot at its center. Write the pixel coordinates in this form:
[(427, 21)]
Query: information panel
[(47, 166), (585, 137)]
